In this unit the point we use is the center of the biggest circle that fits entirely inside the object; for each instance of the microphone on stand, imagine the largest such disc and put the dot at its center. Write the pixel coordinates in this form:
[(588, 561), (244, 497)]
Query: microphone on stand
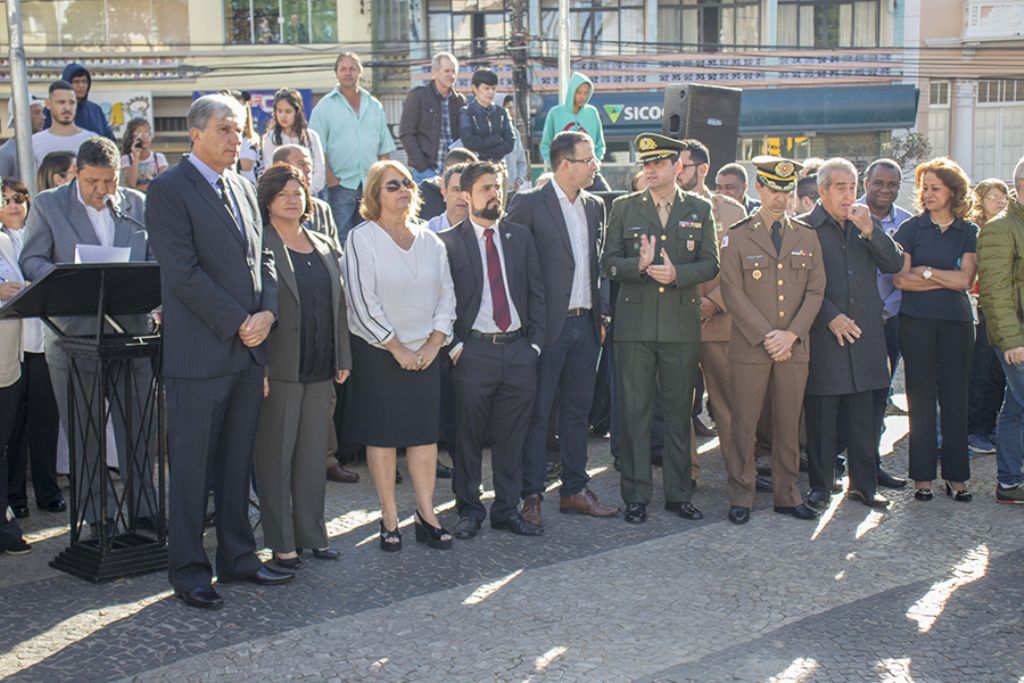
[(111, 202)]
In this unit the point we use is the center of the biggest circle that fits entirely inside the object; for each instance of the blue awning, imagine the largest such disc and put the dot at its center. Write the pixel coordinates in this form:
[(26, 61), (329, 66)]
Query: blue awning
[(778, 110)]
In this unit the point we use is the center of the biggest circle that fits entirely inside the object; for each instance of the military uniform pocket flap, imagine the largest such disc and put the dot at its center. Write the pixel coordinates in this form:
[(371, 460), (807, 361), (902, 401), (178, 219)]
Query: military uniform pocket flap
[(755, 262), (801, 262), (694, 234)]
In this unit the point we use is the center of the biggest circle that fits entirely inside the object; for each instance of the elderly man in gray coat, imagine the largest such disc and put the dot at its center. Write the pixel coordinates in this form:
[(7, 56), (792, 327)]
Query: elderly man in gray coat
[(93, 210), (848, 353)]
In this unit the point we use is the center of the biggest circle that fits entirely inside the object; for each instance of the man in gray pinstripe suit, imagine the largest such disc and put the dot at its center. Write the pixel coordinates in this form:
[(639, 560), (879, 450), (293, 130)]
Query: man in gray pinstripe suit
[(219, 291)]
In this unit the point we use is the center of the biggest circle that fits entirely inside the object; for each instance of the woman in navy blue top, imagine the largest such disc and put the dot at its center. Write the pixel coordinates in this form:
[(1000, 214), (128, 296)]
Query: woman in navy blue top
[(937, 324)]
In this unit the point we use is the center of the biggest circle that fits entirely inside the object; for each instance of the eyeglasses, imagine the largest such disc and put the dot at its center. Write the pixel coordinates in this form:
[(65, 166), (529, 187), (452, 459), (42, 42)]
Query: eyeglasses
[(588, 162), (17, 198), (396, 185), (685, 166)]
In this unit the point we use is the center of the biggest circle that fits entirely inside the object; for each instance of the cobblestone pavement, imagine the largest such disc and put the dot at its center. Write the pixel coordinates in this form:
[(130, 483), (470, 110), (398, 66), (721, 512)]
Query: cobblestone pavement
[(924, 592)]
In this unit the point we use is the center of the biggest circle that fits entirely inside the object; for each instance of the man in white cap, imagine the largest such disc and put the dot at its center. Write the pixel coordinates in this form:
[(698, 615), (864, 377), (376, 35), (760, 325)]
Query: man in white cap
[(9, 150)]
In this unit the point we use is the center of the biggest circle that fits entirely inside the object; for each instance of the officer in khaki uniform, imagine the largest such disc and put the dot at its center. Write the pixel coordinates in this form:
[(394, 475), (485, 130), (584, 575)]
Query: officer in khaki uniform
[(660, 244), (714, 320), (773, 283)]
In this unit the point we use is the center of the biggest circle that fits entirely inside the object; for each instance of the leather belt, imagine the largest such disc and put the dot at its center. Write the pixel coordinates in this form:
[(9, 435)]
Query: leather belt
[(498, 338), (577, 312)]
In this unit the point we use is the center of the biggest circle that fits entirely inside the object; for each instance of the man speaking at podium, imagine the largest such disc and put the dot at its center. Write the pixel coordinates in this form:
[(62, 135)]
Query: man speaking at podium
[(219, 294), (92, 212)]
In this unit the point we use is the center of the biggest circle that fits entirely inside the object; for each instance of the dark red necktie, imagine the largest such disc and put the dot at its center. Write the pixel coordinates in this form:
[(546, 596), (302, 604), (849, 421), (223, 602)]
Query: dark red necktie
[(499, 299)]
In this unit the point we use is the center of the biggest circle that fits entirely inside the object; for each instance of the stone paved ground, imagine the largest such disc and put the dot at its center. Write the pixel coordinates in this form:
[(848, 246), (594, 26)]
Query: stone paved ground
[(925, 592)]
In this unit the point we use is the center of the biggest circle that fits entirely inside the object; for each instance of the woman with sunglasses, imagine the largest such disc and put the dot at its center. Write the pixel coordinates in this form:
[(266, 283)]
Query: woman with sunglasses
[(56, 169), (401, 309), (289, 127), (34, 432)]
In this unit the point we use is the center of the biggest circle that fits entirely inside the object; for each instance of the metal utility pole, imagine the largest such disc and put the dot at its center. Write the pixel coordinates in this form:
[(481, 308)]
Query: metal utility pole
[(19, 96), (518, 46), (564, 47)]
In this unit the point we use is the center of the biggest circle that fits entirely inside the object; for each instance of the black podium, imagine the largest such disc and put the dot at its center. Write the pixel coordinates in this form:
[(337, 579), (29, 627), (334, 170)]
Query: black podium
[(86, 305)]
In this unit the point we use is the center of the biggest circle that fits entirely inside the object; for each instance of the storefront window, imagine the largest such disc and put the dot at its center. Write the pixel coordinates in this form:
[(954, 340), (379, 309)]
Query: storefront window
[(291, 22), (58, 24), (708, 25), (829, 23), (466, 27), (598, 27)]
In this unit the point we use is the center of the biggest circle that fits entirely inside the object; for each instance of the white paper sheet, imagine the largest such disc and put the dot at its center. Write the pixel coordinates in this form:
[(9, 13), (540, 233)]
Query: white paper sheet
[(91, 253)]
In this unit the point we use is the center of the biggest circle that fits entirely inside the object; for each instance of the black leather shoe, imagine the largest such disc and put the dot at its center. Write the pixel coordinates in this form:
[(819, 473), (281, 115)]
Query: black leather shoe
[(636, 513), (203, 597), (553, 471), (467, 527), (329, 554), (518, 526), (763, 484), (55, 506), (763, 469), (818, 500), (289, 564), (443, 471), (702, 430), (20, 511), (739, 514), (685, 510), (877, 501), (888, 481), (801, 511), (264, 576)]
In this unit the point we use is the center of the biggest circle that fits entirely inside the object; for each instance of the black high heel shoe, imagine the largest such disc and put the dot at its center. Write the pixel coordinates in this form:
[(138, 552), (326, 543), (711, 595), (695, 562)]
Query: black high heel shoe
[(290, 563), (923, 494), (961, 496), (432, 535), (386, 543)]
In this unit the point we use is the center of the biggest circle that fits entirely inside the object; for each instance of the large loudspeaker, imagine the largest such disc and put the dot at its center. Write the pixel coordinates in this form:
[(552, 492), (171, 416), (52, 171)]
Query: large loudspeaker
[(707, 113)]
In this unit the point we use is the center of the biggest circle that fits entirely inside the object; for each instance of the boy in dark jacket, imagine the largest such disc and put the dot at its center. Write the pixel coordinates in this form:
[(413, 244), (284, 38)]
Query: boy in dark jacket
[(88, 115), (484, 126)]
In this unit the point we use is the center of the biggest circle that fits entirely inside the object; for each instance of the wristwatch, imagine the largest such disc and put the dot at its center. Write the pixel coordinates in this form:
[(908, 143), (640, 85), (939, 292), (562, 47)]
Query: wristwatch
[(927, 274)]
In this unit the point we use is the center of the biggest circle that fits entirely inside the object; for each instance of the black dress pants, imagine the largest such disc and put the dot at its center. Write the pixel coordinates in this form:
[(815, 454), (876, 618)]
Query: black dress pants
[(823, 415), (10, 532), (937, 363), (987, 384), (494, 391), (34, 436)]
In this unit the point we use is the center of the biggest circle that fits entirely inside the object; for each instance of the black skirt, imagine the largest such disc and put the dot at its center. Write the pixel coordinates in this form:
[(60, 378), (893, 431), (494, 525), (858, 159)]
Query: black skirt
[(390, 407)]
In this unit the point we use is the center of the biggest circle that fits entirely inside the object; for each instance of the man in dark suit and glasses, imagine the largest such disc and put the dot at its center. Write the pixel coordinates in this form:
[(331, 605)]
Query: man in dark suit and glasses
[(219, 292), (567, 223), (499, 333)]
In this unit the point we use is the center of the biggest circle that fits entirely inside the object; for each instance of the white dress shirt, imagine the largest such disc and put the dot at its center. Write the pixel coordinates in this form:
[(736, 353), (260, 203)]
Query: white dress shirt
[(484, 322), (102, 221), (575, 216)]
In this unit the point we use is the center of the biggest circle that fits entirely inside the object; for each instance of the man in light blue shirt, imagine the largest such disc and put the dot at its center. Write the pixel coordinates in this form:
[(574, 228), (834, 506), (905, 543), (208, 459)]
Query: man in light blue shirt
[(354, 133), (882, 181)]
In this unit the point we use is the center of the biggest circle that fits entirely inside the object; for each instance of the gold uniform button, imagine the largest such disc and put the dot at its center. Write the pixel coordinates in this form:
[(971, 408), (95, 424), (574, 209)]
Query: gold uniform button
[(663, 238), (781, 297), (780, 266), (781, 283), (661, 290), (782, 314)]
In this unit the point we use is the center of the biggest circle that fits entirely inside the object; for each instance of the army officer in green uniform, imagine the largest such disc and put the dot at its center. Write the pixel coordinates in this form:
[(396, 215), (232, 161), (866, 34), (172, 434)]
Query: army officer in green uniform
[(660, 244)]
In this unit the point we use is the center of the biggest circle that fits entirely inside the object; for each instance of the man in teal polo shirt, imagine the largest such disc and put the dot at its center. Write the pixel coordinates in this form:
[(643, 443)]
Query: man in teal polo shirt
[(354, 133)]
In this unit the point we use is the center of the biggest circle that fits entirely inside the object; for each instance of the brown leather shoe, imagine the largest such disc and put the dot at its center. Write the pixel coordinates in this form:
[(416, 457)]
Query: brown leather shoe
[(339, 474), (586, 503), (530, 511)]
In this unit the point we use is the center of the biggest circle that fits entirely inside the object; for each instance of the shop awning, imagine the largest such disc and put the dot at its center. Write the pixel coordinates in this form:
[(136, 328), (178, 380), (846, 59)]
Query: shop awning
[(827, 109), (779, 110)]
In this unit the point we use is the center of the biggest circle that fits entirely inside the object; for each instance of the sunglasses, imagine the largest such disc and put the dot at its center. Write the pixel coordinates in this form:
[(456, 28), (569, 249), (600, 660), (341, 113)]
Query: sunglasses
[(17, 198), (396, 185)]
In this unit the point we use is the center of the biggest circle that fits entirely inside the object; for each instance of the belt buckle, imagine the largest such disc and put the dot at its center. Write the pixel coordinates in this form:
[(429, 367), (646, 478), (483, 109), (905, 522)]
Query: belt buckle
[(494, 338)]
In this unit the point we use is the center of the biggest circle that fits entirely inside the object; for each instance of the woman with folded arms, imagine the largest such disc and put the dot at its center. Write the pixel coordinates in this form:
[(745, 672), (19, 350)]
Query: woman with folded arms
[(936, 323), (401, 308)]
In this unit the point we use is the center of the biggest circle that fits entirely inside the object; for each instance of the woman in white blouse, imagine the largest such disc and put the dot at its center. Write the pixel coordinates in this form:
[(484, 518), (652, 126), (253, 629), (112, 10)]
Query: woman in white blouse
[(289, 127), (34, 431), (401, 309)]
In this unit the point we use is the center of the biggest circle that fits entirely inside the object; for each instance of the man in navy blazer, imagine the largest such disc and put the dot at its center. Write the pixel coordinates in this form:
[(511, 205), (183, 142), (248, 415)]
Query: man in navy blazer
[(567, 224), (499, 334), (219, 292), (61, 219)]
